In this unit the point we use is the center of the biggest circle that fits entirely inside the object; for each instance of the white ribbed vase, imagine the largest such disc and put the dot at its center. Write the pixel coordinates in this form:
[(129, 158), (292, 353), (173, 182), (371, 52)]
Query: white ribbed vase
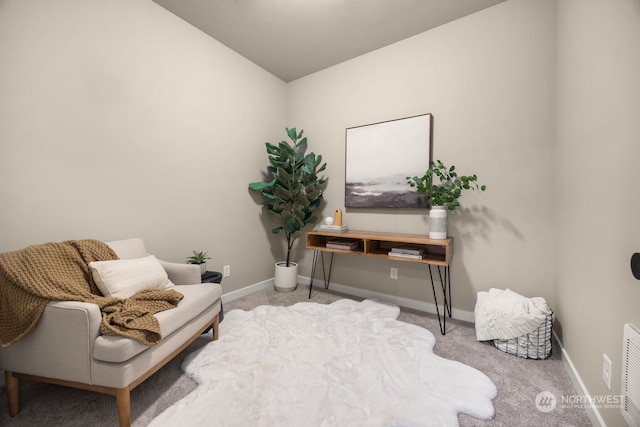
[(438, 222)]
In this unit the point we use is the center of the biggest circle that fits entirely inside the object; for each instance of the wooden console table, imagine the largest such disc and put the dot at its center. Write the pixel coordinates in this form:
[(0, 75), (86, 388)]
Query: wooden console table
[(435, 253)]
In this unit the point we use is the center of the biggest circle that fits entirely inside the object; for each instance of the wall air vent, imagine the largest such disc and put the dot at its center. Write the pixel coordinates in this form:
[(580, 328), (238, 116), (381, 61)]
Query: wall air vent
[(631, 375)]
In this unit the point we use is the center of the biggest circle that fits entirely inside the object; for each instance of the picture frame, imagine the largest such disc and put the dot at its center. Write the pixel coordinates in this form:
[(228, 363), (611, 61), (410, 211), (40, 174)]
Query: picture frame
[(379, 157)]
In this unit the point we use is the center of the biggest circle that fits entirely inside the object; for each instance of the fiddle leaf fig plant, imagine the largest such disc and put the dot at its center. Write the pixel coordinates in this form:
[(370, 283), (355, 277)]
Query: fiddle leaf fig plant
[(443, 186), (293, 189)]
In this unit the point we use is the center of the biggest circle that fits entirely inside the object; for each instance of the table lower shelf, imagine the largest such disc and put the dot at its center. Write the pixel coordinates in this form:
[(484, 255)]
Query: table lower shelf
[(442, 273)]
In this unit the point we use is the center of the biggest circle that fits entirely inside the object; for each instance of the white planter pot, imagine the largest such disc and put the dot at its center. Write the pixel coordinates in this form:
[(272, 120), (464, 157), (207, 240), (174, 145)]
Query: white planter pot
[(438, 222), (203, 268), (286, 278)]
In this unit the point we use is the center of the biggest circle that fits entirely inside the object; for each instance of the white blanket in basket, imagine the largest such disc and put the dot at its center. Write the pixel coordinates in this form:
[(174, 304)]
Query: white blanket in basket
[(505, 314)]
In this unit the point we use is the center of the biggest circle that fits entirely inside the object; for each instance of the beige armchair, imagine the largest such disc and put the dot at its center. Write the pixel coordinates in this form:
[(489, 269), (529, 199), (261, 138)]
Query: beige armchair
[(67, 348)]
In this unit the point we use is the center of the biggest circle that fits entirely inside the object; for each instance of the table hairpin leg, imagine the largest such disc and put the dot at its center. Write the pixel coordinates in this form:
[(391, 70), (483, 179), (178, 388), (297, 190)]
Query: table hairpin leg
[(325, 277), (445, 283)]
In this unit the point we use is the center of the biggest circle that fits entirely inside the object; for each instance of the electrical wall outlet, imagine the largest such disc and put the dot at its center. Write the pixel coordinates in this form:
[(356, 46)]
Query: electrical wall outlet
[(393, 273), (226, 271), (606, 370)]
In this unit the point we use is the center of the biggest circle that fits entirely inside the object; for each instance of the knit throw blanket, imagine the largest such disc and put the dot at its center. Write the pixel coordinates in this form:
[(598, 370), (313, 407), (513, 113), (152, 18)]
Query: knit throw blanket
[(31, 277)]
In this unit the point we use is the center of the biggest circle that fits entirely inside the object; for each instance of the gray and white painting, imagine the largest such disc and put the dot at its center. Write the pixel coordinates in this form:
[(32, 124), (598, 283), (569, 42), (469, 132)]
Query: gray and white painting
[(380, 156)]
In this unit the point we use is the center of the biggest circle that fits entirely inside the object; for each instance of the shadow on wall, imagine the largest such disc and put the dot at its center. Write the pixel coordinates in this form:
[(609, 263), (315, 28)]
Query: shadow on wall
[(278, 242), (478, 222)]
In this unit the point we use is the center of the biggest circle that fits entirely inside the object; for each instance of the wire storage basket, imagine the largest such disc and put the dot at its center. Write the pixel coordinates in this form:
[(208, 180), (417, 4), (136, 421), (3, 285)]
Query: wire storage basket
[(534, 345)]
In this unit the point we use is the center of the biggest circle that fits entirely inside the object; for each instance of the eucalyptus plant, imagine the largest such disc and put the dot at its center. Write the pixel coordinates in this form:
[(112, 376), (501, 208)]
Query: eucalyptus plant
[(443, 186), (293, 190)]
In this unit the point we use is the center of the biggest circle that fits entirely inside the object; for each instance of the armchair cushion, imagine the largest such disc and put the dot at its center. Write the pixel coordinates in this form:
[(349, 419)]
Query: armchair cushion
[(197, 298), (124, 278)]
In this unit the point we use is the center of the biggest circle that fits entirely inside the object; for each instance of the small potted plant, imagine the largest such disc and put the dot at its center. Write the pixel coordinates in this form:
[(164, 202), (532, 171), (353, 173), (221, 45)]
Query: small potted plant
[(199, 258), (291, 193), (443, 187)]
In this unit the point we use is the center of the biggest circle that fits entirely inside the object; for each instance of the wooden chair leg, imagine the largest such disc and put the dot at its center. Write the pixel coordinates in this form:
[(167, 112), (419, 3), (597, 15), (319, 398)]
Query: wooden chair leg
[(12, 385), (216, 324), (123, 401)]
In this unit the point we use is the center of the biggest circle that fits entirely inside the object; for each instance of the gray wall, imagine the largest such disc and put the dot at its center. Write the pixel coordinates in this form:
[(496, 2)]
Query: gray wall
[(596, 200), (120, 120), (489, 81)]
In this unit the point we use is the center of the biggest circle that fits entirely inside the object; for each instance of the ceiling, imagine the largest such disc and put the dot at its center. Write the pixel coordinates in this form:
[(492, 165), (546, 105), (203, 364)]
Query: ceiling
[(294, 38)]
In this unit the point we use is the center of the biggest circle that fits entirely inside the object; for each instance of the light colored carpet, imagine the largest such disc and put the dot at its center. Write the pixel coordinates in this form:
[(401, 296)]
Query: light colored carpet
[(346, 363), (518, 380)]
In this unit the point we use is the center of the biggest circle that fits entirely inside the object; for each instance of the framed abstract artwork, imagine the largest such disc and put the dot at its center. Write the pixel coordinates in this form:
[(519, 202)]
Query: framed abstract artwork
[(379, 157)]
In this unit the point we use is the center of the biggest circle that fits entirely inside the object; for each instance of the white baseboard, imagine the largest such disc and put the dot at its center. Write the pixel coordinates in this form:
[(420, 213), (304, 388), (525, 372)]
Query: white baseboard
[(231, 296), (427, 307), (592, 412), (358, 292)]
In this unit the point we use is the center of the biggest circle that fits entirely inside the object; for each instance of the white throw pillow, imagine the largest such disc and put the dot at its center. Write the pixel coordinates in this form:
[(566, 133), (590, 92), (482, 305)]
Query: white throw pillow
[(123, 278)]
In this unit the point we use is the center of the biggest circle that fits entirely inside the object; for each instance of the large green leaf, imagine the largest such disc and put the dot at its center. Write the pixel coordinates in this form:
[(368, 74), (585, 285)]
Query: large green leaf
[(293, 135), (284, 177), (292, 225), (282, 194), (302, 145), (259, 186), (272, 149), (299, 213), (315, 204)]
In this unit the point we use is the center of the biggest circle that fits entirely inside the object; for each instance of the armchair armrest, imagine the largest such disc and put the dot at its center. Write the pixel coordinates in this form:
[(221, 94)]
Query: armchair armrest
[(61, 346), (182, 274)]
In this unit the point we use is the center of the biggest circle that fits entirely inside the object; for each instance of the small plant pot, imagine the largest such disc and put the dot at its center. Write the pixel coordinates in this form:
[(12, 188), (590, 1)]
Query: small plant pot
[(286, 278), (203, 268)]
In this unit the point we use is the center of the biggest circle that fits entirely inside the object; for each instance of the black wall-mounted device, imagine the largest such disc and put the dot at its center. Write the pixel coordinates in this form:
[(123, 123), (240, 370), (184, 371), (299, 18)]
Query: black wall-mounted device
[(635, 265)]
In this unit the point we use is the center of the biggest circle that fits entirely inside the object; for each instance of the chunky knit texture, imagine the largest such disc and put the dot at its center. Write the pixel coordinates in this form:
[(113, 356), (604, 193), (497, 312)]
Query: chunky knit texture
[(32, 277)]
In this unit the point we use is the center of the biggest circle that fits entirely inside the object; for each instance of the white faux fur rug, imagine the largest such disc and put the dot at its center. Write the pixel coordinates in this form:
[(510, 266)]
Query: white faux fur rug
[(342, 364)]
